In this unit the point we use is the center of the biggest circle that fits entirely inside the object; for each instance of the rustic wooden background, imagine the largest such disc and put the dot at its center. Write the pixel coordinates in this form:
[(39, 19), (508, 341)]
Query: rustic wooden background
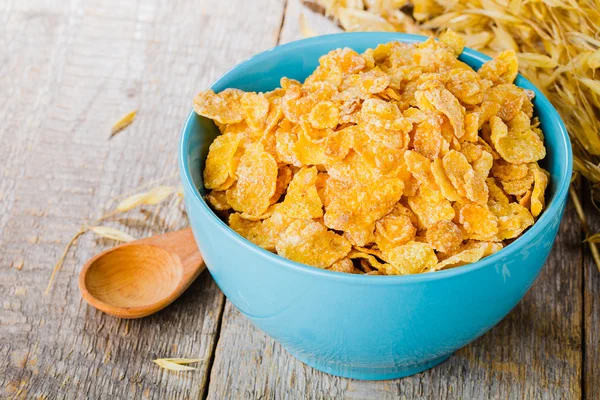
[(68, 70)]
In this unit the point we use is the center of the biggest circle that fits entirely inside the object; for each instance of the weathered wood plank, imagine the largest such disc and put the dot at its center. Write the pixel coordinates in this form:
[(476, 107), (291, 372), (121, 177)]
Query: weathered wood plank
[(68, 70), (591, 308), (533, 353)]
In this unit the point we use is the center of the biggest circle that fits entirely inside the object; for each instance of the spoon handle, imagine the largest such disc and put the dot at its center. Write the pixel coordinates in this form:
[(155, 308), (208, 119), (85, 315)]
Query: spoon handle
[(183, 244)]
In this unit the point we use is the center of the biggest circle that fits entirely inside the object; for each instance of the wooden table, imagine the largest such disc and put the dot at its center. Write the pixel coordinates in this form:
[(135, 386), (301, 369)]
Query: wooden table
[(68, 70)]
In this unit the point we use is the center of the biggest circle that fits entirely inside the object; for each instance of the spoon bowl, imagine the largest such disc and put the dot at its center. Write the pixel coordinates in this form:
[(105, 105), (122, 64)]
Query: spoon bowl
[(140, 278)]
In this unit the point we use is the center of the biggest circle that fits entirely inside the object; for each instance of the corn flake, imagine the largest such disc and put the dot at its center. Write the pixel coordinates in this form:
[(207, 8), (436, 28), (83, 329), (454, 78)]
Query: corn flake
[(295, 103), (513, 219), (502, 69), (324, 115), (457, 167), (496, 193), (453, 40), (218, 200), (257, 179), (220, 156), (396, 227), (478, 222), (420, 167), (374, 81), (302, 198), (442, 180), (507, 172), (387, 161), (466, 86), (256, 109), (427, 139), (369, 258), (223, 107), (263, 233), (444, 236), (469, 254), (286, 137), (344, 265), (410, 258), (516, 147), (485, 111), (509, 99), (356, 209), (518, 187), (310, 242), (471, 127), (537, 195), (445, 102), (430, 206)]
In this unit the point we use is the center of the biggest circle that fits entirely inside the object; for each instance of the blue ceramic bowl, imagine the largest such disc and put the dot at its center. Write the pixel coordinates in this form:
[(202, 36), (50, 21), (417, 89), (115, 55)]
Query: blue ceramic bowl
[(357, 326)]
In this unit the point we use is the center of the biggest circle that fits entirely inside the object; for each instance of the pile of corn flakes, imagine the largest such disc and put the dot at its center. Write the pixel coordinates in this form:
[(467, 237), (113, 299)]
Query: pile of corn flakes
[(400, 160)]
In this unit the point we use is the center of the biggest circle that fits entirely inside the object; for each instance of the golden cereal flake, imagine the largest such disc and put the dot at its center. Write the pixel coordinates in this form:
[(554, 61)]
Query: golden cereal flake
[(445, 102), (310, 242), (410, 258), (442, 180), (444, 236), (396, 227), (302, 198), (223, 107), (218, 200), (220, 156), (324, 114), (369, 258), (344, 265), (512, 218), (477, 221), (257, 180), (284, 177), (356, 209), (430, 206), (420, 167), (256, 109), (501, 69), (514, 146), (537, 195), (496, 193), (469, 254)]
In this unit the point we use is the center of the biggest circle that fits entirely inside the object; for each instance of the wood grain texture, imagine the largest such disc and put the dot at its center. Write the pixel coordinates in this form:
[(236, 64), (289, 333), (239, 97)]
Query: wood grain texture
[(68, 71), (591, 314)]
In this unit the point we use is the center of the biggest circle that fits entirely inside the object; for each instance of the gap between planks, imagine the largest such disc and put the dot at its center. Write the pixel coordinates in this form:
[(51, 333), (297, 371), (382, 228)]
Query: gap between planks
[(205, 389), (213, 353)]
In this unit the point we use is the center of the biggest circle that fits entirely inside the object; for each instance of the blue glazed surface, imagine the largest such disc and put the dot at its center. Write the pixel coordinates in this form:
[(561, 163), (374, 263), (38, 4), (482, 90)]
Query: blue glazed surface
[(365, 327)]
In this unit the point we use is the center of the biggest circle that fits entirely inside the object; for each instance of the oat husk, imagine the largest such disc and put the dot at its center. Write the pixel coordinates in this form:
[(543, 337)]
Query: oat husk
[(123, 123), (112, 233), (177, 364)]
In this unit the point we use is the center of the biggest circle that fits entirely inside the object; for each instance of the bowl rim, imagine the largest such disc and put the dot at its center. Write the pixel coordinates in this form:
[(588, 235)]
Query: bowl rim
[(547, 217)]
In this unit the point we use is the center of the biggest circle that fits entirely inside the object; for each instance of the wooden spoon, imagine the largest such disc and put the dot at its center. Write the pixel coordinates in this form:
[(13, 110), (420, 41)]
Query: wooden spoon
[(137, 279)]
